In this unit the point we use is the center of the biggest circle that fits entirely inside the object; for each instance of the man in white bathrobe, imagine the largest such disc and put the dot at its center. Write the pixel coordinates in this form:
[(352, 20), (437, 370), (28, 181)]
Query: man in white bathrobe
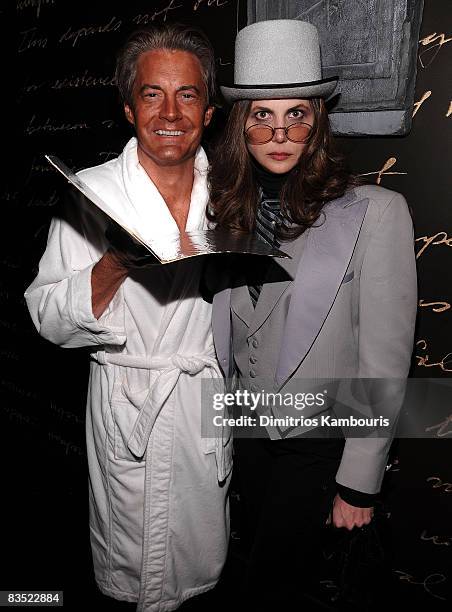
[(157, 489)]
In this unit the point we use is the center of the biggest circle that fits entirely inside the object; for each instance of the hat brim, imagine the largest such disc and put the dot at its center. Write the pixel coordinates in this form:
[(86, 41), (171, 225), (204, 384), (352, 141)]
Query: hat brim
[(313, 89)]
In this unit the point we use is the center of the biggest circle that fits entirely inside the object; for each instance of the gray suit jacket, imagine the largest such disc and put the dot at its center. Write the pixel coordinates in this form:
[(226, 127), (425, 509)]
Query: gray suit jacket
[(344, 306)]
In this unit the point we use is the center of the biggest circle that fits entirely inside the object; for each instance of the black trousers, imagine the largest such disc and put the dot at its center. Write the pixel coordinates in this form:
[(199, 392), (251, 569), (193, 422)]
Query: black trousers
[(287, 488)]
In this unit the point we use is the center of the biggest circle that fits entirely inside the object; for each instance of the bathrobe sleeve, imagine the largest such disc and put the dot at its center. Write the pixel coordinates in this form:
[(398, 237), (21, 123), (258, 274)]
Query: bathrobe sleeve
[(387, 314), (59, 298)]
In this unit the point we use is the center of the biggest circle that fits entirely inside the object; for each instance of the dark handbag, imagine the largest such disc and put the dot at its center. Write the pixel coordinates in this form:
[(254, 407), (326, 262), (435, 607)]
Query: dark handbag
[(363, 568)]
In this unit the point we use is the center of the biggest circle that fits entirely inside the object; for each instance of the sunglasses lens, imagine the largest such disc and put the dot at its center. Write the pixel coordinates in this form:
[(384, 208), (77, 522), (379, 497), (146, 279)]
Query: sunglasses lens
[(259, 134), (298, 132)]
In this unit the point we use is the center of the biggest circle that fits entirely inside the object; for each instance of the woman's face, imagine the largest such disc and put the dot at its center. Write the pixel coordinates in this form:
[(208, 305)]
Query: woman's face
[(280, 154)]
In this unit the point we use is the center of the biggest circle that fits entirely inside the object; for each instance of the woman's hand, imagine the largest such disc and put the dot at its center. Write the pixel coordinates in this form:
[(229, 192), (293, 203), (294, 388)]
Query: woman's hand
[(348, 516)]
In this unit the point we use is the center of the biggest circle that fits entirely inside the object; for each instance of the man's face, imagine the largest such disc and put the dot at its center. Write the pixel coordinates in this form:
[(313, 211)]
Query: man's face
[(169, 107)]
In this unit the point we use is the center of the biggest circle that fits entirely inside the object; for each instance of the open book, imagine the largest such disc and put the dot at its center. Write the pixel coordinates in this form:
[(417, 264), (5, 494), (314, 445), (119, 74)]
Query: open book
[(173, 247)]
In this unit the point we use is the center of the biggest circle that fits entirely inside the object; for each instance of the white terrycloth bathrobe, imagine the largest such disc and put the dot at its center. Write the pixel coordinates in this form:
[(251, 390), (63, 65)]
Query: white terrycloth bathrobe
[(159, 517)]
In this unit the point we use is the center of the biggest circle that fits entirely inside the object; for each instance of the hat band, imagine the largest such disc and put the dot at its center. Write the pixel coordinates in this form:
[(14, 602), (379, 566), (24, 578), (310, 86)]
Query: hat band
[(282, 85)]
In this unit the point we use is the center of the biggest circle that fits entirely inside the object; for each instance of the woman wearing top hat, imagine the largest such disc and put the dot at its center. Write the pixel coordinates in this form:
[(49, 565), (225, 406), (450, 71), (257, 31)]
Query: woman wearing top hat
[(341, 307)]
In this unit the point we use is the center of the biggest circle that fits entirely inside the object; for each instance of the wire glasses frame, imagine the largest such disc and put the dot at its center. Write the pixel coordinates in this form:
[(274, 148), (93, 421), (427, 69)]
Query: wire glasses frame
[(260, 133)]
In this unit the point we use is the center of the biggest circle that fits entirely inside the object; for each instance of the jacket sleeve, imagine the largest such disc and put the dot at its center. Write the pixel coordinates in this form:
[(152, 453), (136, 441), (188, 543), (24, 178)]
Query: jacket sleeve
[(387, 314), (59, 298)]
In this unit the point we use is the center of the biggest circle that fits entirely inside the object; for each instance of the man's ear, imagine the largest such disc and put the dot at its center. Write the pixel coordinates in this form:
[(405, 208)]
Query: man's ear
[(208, 115), (129, 114)]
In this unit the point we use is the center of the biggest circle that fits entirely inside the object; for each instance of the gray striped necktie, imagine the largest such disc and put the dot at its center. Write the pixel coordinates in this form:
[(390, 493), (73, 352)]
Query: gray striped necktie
[(267, 218)]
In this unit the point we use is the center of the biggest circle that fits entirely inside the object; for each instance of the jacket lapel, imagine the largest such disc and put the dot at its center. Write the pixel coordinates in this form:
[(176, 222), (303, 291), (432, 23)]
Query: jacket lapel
[(327, 254), (241, 302), (280, 275)]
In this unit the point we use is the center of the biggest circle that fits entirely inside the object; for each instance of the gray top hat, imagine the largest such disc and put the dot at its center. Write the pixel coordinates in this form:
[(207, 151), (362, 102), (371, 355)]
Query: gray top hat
[(279, 58)]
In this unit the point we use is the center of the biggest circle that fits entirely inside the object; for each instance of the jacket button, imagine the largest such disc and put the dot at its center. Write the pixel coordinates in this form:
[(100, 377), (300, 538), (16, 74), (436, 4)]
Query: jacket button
[(252, 374), (253, 388), (253, 359), (255, 343)]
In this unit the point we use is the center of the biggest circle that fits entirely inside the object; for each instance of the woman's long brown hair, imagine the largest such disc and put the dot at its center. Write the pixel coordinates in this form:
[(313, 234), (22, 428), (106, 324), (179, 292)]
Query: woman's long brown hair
[(320, 175)]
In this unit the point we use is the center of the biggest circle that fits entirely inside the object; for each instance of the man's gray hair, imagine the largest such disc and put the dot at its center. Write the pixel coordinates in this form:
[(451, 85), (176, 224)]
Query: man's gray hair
[(173, 36)]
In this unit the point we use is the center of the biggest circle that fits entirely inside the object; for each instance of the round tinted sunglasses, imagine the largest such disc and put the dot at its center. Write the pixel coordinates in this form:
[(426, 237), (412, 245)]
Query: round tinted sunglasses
[(260, 133)]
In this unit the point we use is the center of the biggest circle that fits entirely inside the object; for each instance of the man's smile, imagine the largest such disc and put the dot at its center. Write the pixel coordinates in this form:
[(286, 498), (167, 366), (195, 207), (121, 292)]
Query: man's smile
[(169, 132)]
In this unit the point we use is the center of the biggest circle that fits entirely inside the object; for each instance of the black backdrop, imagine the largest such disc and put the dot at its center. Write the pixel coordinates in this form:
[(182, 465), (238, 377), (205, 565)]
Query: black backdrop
[(60, 56)]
